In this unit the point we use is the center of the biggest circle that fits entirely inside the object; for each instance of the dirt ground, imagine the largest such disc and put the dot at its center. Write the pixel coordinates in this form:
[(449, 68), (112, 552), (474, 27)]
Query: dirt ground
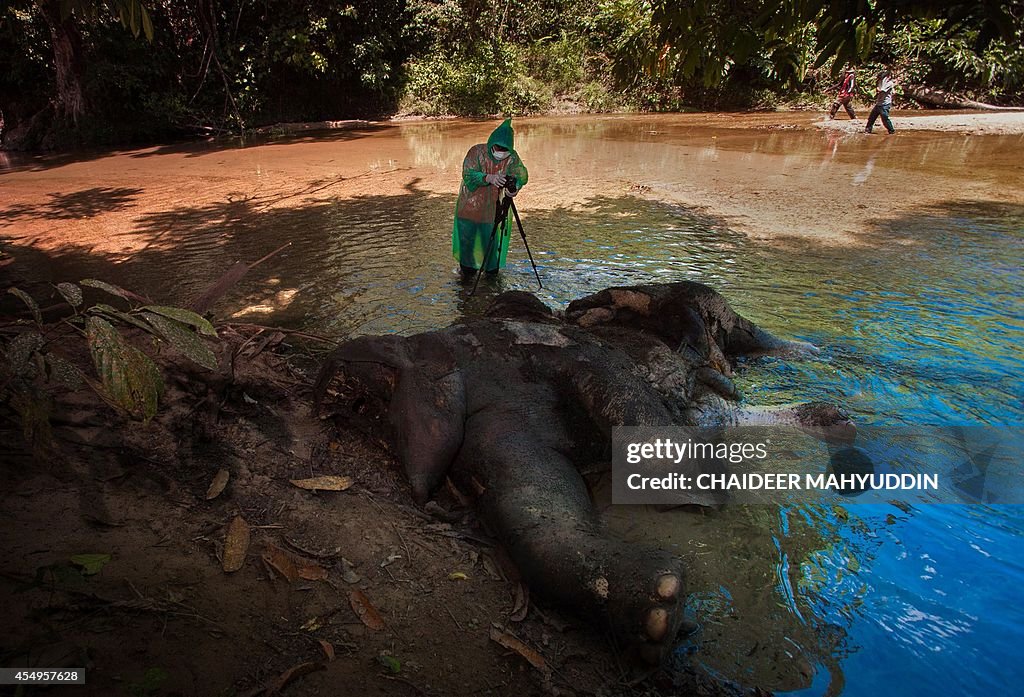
[(768, 175), (336, 592)]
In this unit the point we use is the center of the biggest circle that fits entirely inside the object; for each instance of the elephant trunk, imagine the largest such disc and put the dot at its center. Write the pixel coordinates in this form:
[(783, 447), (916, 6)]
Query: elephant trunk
[(823, 420)]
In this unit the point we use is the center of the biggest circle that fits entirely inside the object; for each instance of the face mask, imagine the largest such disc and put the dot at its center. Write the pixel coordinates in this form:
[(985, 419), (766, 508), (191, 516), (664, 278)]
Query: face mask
[(500, 154)]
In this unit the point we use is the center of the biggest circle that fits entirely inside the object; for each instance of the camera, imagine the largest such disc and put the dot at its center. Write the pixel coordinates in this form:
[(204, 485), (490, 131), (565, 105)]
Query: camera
[(511, 183)]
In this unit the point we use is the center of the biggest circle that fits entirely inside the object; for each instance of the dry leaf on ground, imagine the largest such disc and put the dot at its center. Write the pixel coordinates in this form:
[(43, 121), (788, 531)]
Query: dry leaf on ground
[(522, 606), (348, 573), (236, 544), (281, 562), (324, 483), (365, 610), (491, 568), (512, 643), (220, 481), (291, 566), (312, 572), (294, 672)]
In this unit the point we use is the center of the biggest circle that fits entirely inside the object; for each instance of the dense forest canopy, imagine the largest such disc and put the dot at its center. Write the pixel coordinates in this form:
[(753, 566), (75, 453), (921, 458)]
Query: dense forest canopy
[(80, 71)]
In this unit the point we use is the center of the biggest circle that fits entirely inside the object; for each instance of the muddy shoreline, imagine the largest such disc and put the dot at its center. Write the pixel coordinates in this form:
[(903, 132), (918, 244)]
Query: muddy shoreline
[(332, 592), (968, 123)]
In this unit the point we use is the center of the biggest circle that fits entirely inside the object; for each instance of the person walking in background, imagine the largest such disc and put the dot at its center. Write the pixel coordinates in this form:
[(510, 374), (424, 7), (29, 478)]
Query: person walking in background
[(883, 101), (485, 174), (845, 96)]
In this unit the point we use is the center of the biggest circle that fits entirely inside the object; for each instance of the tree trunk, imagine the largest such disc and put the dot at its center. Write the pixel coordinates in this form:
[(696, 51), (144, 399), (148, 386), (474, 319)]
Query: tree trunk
[(67, 60), (939, 98)]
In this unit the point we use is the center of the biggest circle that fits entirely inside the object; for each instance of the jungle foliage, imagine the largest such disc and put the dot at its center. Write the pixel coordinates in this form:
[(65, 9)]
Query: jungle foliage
[(122, 70)]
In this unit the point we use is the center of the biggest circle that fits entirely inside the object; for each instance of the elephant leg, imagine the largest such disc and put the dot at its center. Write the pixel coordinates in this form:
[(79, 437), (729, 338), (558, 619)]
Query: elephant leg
[(615, 399), (538, 504)]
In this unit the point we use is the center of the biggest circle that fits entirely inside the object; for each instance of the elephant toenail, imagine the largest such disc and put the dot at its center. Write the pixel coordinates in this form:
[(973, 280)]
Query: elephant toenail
[(657, 624), (668, 586)]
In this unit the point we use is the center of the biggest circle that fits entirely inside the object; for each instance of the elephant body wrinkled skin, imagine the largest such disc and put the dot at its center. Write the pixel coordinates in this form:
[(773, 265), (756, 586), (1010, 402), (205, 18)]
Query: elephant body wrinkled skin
[(512, 406)]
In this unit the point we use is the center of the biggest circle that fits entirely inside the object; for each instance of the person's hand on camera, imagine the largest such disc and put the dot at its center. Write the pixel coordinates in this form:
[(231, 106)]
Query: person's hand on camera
[(497, 180)]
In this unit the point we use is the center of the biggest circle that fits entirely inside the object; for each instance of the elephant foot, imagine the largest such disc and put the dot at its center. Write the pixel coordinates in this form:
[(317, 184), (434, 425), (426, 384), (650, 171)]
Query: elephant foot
[(639, 592), (646, 615), (539, 506)]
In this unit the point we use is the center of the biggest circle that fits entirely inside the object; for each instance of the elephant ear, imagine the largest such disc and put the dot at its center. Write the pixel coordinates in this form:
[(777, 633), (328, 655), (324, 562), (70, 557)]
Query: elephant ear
[(427, 418)]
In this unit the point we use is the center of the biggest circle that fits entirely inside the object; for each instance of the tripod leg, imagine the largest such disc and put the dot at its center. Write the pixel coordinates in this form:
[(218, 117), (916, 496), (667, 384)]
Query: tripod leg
[(498, 210), (522, 233)]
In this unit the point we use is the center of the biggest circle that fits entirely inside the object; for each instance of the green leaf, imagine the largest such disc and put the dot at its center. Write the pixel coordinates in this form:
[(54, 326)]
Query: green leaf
[(59, 574), (147, 25), (390, 662), (91, 563), (869, 43), (27, 299), (182, 338), (129, 378), (71, 293), (63, 372), (186, 316), (20, 351), (33, 407), (102, 285)]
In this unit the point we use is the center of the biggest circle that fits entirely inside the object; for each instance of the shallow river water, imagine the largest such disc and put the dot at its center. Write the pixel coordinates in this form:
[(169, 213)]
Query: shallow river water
[(900, 257)]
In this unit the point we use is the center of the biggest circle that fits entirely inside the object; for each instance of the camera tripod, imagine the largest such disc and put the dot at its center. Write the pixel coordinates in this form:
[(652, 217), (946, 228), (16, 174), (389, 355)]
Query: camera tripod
[(501, 209)]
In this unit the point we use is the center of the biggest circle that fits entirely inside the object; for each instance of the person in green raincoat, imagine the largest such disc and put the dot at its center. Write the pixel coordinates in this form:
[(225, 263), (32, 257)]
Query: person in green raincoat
[(484, 173)]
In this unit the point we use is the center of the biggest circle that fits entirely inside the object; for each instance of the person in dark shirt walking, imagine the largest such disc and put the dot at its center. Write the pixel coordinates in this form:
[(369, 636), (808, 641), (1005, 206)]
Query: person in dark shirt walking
[(845, 96)]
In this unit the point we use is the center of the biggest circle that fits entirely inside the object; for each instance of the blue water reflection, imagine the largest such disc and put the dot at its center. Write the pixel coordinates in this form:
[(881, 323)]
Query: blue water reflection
[(921, 326)]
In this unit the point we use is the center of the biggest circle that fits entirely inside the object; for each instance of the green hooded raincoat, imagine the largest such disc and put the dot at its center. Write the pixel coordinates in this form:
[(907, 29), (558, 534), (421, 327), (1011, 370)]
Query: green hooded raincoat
[(475, 209)]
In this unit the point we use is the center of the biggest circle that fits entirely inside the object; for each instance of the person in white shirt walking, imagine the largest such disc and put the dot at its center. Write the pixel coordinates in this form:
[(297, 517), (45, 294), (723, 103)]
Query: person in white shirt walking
[(883, 102)]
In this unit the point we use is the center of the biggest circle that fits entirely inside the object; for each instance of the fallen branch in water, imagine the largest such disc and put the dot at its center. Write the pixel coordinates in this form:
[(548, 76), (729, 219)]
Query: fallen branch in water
[(230, 277), (291, 332)]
